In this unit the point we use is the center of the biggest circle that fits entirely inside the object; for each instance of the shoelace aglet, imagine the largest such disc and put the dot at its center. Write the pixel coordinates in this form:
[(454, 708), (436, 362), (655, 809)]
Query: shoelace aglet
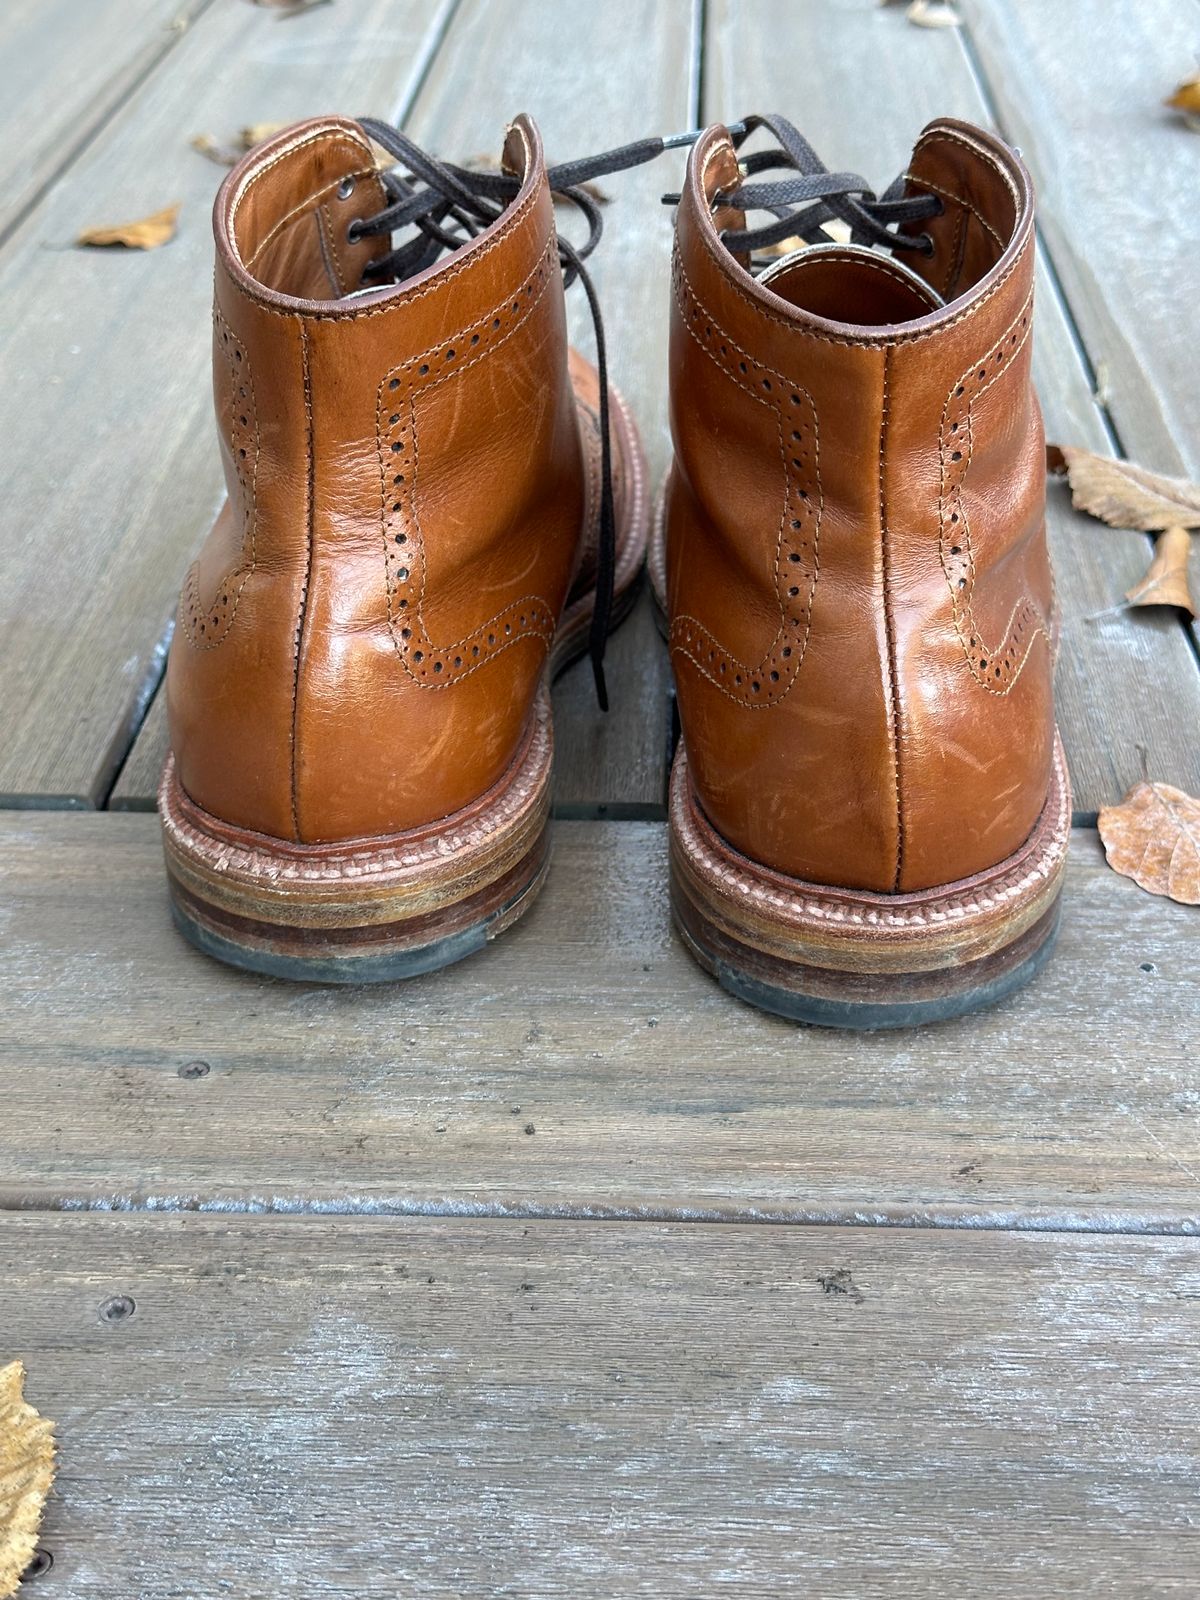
[(676, 141), (601, 686)]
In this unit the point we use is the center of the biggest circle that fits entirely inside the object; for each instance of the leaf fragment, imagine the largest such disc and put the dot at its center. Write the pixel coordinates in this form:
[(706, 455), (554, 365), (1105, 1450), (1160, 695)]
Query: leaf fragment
[(26, 1473), (1186, 98), (227, 153), (1124, 495), (933, 14), (147, 233), (1166, 580), (1153, 837), (290, 8)]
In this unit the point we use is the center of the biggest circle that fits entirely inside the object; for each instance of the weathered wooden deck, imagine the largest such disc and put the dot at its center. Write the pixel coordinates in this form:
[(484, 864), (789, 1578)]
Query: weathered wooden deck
[(560, 1273)]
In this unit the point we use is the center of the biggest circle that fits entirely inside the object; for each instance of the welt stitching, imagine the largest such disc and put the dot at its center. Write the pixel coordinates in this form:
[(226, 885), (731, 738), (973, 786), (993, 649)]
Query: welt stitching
[(190, 599), (895, 726), (1024, 609), (999, 890), (310, 512), (867, 341), (777, 648)]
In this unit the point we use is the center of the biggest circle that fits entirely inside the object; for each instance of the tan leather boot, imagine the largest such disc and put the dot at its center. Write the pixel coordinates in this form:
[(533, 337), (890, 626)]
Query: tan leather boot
[(869, 807), (359, 778)]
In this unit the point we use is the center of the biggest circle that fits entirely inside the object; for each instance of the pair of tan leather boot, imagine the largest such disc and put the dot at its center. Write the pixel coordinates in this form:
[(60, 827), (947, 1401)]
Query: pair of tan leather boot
[(433, 504)]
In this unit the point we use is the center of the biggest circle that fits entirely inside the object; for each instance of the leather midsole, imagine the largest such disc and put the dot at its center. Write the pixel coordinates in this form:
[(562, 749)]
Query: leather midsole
[(369, 881), (858, 931)]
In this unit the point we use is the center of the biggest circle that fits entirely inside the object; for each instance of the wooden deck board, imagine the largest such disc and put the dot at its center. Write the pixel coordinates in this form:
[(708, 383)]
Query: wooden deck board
[(1081, 88), (64, 69), (469, 1409), (110, 476), (581, 1065), (1128, 684)]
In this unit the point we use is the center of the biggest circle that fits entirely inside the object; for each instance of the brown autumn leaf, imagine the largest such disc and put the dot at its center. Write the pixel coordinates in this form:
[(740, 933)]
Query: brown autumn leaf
[(26, 1473), (1153, 837), (1186, 98), (1166, 581), (1123, 495), (145, 234)]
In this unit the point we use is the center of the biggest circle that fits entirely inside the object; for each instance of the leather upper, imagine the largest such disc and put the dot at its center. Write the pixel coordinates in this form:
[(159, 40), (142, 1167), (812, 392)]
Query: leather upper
[(361, 639), (859, 591)]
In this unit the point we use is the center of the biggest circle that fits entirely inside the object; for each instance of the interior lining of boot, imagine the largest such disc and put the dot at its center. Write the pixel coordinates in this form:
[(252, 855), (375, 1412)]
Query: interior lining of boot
[(979, 218), (851, 285), (290, 227)]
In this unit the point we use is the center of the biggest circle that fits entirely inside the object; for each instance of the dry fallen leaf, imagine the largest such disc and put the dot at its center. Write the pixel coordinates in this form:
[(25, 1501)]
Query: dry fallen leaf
[(1123, 495), (1153, 837), (933, 14), (228, 154), (145, 234), (290, 8), (1187, 99), (26, 1473), (225, 155), (1166, 582)]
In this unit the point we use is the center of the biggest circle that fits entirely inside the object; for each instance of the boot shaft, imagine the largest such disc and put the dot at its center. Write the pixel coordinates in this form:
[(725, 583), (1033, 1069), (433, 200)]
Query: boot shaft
[(857, 574), (405, 495)]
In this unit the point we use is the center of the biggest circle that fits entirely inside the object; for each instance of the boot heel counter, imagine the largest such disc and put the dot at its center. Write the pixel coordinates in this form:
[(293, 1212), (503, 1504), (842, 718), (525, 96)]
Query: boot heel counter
[(232, 667)]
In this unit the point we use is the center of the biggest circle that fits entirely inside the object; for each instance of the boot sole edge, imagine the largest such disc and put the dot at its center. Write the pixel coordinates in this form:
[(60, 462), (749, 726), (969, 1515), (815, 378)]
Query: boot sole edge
[(850, 959)]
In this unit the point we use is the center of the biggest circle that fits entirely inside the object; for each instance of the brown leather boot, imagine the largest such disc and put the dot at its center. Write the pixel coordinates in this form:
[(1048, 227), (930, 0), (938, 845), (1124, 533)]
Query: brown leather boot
[(869, 807), (421, 516)]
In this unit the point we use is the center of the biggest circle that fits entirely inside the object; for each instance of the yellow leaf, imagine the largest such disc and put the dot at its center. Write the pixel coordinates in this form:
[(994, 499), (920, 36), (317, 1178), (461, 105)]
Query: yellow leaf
[(1153, 837), (26, 1473), (1187, 96), (145, 234), (1166, 581), (228, 154), (257, 132), (1123, 495)]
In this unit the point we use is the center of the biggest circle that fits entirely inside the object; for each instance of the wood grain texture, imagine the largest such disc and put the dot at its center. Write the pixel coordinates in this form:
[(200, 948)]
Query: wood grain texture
[(1081, 88), (64, 69), (583, 1065), (110, 474), (1128, 684), (469, 1409)]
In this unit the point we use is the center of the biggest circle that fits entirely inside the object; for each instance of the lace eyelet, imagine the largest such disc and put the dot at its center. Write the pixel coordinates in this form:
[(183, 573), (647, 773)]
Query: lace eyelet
[(354, 233), (346, 188), (928, 247)]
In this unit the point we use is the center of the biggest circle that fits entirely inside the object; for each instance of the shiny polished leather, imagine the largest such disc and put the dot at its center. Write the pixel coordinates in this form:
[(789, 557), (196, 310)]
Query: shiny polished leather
[(360, 643), (859, 592)]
